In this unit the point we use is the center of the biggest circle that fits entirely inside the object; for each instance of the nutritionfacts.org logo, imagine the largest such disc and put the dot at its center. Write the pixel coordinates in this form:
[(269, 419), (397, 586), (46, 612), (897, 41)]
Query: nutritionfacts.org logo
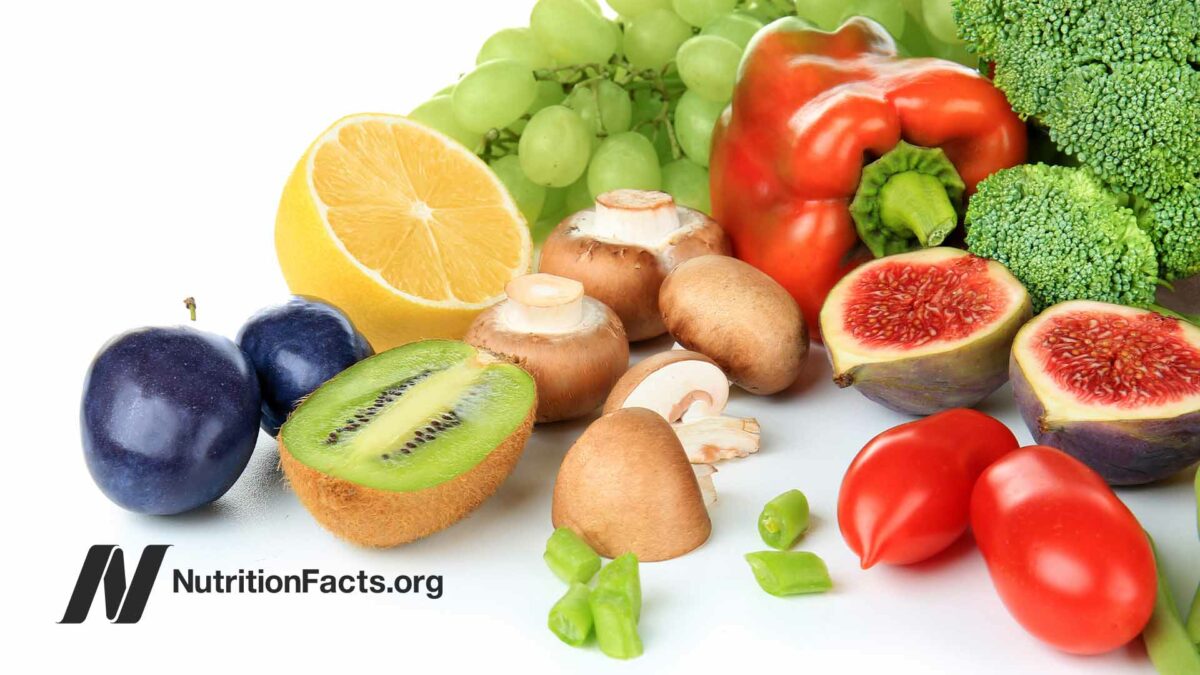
[(125, 598)]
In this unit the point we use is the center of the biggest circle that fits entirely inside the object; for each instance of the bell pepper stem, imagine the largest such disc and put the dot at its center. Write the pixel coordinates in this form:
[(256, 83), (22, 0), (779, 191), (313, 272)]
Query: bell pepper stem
[(909, 198), (917, 203)]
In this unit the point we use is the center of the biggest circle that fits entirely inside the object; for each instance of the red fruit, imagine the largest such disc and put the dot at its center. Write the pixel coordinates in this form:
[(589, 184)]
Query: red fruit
[(1070, 562), (907, 494)]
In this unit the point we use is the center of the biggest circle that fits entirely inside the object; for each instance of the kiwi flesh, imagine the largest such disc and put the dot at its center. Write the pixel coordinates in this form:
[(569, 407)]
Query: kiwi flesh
[(407, 442)]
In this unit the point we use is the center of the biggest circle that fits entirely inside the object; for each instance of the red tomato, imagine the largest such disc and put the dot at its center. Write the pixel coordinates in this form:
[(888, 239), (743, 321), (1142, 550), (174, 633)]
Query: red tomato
[(907, 494), (1070, 562)]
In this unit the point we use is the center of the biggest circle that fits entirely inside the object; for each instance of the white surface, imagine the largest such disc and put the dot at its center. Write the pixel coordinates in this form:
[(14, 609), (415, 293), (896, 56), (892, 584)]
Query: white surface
[(145, 148)]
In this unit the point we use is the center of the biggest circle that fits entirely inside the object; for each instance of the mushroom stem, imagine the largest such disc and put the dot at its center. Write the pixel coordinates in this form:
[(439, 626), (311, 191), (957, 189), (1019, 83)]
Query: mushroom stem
[(636, 217), (544, 303), (704, 477), (713, 438)]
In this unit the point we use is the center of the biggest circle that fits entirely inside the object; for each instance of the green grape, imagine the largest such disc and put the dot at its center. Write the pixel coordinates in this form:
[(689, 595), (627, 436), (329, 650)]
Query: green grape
[(578, 196), (652, 39), (632, 9), (555, 147), (604, 105), (695, 117), (939, 21), (573, 31), (647, 104), (889, 13), (548, 94), (687, 182), (700, 12), (625, 160), (438, 113), (737, 28), (708, 66), (493, 95), (519, 44), (529, 196), (446, 90), (824, 14), (554, 210)]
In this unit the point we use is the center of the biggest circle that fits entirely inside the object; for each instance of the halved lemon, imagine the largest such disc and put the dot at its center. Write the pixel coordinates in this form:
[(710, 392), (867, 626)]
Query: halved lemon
[(401, 227)]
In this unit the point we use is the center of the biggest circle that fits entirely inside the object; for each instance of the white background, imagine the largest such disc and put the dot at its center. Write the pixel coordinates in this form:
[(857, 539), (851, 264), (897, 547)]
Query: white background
[(145, 146)]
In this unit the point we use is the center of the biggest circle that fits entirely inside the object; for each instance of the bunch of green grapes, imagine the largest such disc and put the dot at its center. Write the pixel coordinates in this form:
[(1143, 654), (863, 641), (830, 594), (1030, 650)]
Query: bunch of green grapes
[(920, 27), (577, 103)]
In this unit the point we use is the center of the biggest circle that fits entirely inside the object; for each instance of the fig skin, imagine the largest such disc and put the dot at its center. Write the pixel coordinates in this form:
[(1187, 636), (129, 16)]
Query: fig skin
[(1123, 452), (924, 385)]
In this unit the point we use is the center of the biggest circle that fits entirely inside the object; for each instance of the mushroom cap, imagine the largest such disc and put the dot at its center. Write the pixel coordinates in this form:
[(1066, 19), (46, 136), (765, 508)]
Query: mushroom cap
[(627, 486), (740, 318), (677, 389), (627, 276), (573, 371)]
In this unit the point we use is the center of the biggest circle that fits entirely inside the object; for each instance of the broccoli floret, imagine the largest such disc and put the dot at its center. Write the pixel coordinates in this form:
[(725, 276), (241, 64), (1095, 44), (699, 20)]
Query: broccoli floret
[(1064, 235), (1114, 80), (1173, 224)]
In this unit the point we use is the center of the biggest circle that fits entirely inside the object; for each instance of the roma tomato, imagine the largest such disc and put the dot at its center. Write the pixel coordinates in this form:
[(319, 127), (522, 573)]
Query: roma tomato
[(1070, 562), (907, 494)]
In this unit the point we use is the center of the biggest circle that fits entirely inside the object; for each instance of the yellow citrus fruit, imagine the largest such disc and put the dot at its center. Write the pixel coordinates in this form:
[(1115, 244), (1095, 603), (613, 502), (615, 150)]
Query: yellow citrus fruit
[(404, 229)]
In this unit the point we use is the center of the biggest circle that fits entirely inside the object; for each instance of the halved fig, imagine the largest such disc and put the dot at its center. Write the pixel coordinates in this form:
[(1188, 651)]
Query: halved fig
[(1117, 387), (925, 331)]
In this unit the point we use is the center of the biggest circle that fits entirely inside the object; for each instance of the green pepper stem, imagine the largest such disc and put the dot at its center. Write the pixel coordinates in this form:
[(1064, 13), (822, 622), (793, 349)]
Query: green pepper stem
[(917, 203), (190, 303)]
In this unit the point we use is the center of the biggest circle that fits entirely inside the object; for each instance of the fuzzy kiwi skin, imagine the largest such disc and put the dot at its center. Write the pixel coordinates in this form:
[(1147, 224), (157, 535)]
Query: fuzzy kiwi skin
[(1123, 452), (626, 486), (573, 372), (379, 518)]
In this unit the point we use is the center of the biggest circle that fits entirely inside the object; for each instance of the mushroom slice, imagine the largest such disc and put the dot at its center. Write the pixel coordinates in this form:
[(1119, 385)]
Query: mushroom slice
[(690, 391), (623, 248), (574, 346)]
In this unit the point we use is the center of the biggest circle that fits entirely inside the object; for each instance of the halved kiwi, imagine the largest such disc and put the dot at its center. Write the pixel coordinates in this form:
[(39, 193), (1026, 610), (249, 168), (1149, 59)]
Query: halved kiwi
[(407, 442)]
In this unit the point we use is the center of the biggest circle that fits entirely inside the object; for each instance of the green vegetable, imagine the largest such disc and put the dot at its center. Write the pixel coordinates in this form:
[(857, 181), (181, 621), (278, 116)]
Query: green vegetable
[(570, 558), (571, 617), (785, 573), (1064, 235), (1110, 78), (909, 198), (1193, 622), (1113, 81), (784, 519), (616, 605), (1171, 650)]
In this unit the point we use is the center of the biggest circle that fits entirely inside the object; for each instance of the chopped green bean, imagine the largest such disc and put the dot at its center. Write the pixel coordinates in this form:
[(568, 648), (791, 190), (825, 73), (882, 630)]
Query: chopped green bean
[(571, 617), (1170, 648), (616, 623), (621, 576), (785, 573), (570, 558), (784, 519)]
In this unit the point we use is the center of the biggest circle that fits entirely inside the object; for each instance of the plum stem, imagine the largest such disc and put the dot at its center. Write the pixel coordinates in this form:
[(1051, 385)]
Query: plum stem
[(190, 303)]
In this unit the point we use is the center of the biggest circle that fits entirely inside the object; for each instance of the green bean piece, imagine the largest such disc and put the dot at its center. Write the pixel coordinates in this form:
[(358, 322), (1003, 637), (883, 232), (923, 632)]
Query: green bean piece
[(570, 557), (571, 617), (1170, 648), (616, 623), (784, 573), (784, 519), (621, 576)]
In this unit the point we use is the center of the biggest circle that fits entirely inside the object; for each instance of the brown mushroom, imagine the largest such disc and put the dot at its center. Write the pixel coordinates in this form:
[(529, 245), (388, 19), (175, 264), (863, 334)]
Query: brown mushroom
[(740, 318), (572, 345), (626, 486), (690, 391), (623, 248)]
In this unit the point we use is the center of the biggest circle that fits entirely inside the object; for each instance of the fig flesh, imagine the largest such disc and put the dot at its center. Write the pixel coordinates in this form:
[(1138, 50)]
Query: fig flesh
[(1116, 387), (926, 331)]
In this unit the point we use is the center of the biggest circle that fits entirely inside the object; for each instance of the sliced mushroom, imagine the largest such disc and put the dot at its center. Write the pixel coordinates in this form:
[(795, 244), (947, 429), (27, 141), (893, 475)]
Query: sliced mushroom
[(690, 391), (574, 346), (622, 249), (740, 318)]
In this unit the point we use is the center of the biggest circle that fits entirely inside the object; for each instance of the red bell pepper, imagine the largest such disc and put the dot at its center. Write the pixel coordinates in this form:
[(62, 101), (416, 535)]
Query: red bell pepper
[(810, 109)]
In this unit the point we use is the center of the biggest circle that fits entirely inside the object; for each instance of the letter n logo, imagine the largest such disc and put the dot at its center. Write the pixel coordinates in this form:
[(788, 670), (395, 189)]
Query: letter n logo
[(122, 604)]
